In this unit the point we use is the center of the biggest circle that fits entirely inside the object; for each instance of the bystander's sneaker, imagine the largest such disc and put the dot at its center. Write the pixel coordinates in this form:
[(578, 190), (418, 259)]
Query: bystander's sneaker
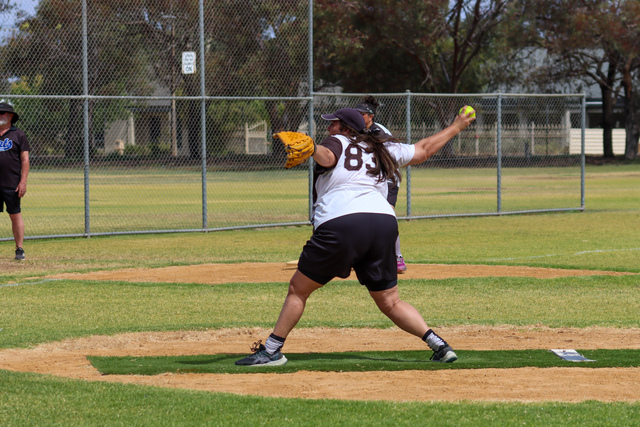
[(402, 267), (19, 253), (444, 354), (261, 357)]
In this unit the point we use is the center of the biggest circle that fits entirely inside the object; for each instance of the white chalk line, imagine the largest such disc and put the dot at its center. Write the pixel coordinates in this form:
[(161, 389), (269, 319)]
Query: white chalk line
[(573, 254)]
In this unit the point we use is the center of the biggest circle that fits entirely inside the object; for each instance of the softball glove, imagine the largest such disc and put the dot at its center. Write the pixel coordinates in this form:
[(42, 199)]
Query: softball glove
[(299, 147)]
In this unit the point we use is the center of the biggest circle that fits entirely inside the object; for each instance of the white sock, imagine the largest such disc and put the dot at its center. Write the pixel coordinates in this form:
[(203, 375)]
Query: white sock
[(398, 253), (433, 340), (273, 344)]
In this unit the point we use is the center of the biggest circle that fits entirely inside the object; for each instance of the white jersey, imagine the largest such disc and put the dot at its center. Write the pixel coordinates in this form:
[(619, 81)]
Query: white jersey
[(347, 188), (377, 127)]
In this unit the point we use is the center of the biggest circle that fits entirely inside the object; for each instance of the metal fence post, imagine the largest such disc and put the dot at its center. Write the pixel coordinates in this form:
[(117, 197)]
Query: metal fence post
[(408, 124), (500, 132), (583, 125), (85, 92), (203, 119), (499, 153), (311, 106)]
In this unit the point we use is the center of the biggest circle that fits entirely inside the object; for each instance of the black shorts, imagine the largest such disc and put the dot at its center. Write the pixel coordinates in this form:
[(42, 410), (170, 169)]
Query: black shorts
[(9, 197), (364, 241), (392, 195)]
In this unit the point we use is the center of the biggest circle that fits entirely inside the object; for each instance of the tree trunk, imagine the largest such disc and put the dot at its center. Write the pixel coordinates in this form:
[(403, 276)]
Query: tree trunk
[(631, 140), (608, 102), (632, 127)]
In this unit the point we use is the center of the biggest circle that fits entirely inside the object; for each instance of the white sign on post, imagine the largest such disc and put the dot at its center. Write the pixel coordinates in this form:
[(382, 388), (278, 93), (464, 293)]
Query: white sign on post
[(188, 62)]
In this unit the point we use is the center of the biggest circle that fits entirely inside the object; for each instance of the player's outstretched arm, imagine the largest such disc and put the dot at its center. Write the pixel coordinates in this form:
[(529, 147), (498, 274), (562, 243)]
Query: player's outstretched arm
[(429, 146)]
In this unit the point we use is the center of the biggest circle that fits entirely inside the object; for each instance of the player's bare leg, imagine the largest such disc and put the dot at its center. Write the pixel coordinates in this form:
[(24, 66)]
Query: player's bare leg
[(403, 314), (17, 225), (300, 287), (269, 354), (407, 318)]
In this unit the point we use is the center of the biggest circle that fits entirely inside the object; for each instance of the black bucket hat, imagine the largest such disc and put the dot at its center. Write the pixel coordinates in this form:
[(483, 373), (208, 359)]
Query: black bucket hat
[(8, 108)]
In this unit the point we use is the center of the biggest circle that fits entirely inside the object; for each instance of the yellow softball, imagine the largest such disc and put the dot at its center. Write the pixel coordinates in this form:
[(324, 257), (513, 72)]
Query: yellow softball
[(467, 110)]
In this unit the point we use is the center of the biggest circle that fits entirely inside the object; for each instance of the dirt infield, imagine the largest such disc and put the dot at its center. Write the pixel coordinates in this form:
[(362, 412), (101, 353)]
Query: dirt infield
[(281, 272), (68, 358)]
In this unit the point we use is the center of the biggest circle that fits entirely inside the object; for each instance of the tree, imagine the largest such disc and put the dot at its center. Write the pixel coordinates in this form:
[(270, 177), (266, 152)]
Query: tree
[(167, 28), (425, 46), (627, 34), (6, 8), (597, 41), (252, 48), (264, 46), (49, 46), (41, 122)]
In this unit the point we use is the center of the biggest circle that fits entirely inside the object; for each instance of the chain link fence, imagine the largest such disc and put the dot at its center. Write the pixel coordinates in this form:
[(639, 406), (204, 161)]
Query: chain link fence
[(157, 116), (517, 156)]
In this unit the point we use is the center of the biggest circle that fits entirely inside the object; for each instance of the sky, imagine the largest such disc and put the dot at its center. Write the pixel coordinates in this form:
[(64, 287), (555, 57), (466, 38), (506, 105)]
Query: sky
[(7, 21)]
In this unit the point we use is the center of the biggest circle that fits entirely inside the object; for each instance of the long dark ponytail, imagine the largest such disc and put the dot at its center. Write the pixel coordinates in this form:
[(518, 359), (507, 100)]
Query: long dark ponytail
[(386, 167)]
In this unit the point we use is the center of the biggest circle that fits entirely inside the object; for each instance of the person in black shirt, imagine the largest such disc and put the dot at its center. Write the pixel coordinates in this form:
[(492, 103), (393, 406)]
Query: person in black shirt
[(14, 169)]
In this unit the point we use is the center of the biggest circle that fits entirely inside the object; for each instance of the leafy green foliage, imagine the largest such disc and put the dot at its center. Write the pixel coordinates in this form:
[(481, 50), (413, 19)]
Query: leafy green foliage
[(391, 46), (47, 50)]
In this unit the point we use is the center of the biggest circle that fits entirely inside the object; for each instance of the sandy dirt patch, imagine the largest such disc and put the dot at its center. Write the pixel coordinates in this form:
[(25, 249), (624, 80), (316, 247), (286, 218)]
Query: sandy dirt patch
[(282, 272), (68, 358)]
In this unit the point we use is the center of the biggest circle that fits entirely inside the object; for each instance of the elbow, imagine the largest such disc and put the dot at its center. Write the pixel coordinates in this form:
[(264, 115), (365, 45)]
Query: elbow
[(419, 157)]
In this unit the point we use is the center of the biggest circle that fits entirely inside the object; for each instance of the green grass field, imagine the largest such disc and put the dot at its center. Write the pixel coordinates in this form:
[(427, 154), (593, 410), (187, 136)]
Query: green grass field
[(171, 199), (361, 361), (35, 310)]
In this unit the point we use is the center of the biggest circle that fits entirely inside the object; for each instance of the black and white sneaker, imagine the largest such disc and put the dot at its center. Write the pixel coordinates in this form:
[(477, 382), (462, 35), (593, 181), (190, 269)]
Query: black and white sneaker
[(444, 354), (19, 253), (260, 357)]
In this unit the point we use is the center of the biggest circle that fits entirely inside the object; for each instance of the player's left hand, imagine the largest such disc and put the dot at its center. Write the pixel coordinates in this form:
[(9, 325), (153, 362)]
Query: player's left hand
[(299, 147)]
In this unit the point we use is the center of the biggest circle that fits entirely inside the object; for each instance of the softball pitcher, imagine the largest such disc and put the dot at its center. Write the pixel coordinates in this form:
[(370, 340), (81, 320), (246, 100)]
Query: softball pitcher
[(355, 227)]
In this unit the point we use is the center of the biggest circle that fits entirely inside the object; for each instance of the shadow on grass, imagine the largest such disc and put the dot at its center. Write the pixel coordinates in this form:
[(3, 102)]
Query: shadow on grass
[(359, 362)]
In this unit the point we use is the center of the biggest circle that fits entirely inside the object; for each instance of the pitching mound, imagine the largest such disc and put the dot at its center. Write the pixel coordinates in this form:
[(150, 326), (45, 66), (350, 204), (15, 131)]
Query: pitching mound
[(68, 358), (282, 272)]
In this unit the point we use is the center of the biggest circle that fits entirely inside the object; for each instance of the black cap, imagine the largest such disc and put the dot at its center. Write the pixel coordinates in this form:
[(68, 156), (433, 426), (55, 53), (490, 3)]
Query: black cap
[(5, 107), (366, 108), (349, 116)]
